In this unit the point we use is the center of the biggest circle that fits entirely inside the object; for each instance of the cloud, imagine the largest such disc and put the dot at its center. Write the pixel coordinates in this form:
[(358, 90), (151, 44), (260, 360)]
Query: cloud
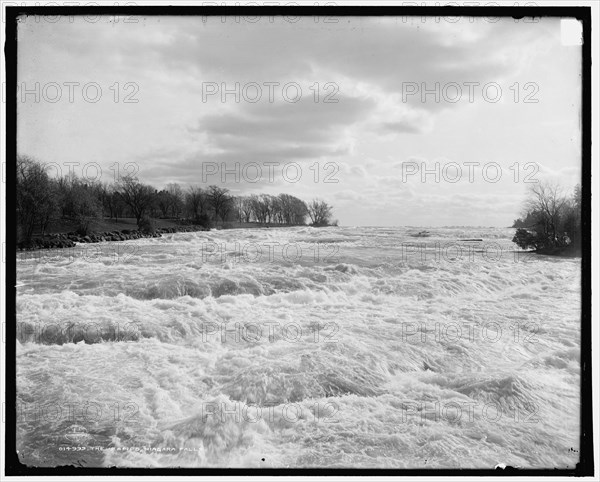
[(285, 131), (366, 64)]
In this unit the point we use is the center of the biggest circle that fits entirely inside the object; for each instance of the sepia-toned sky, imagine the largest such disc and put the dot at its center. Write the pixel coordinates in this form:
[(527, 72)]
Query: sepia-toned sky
[(351, 111)]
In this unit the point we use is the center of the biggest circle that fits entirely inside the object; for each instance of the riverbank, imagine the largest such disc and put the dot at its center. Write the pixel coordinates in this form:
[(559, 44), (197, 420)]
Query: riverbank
[(62, 234), (68, 240), (563, 251)]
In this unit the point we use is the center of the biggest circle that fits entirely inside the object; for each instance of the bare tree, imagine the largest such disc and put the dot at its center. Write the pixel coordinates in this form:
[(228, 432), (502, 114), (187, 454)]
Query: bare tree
[(227, 207), (319, 212), (36, 196), (177, 198), (197, 202), (552, 220), (139, 197), (247, 209), (163, 201), (219, 199), (238, 202), (267, 207), (40, 199), (547, 202), (291, 209), (261, 207), (112, 201)]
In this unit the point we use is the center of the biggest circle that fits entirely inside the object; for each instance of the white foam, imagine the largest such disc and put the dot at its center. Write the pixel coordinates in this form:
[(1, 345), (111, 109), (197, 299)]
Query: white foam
[(374, 336)]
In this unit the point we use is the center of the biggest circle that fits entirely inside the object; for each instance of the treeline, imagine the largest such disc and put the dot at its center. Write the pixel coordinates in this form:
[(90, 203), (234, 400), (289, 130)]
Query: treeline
[(550, 219), (42, 200)]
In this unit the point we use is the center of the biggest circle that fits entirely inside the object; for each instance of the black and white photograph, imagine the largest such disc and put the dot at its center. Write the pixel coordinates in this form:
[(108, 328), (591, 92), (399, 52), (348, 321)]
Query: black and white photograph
[(306, 238)]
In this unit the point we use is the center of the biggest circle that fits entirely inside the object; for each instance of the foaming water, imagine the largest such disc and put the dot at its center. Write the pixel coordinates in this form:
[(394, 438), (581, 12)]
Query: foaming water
[(299, 347)]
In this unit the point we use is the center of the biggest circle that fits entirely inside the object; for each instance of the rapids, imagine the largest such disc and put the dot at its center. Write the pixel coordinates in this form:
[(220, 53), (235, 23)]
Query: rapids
[(299, 347)]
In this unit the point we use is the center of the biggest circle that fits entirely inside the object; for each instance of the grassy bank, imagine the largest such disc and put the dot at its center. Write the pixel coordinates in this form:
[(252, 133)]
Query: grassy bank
[(61, 226)]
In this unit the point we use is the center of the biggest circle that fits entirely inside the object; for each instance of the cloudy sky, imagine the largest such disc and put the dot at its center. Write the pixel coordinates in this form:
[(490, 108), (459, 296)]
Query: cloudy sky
[(340, 100)]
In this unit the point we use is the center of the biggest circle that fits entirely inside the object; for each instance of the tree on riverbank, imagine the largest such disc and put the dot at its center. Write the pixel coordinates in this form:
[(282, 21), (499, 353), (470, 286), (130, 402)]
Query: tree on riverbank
[(139, 197), (320, 212), (550, 219), (42, 199), (36, 197)]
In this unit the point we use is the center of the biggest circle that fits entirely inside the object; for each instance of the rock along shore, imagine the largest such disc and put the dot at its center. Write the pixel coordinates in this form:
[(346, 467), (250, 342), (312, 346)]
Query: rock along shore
[(68, 240)]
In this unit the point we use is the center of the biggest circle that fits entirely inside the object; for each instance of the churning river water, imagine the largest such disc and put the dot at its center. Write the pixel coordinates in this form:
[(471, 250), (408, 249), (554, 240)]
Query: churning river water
[(299, 347)]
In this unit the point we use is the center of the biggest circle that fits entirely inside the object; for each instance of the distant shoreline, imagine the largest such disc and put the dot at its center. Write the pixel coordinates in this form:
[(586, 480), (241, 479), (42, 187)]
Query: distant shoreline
[(62, 234)]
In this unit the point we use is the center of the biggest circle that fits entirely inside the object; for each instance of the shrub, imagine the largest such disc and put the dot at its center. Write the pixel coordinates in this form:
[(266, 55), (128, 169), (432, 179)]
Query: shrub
[(147, 225), (528, 240), (83, 226), (204, 221)]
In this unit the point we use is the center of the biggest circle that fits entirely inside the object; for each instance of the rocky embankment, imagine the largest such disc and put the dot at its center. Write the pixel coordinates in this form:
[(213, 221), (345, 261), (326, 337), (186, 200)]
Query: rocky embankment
[(565, 251), (68, 240)]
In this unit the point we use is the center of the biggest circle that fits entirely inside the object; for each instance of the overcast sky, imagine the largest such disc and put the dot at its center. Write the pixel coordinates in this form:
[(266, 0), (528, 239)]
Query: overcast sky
[(375, 127)]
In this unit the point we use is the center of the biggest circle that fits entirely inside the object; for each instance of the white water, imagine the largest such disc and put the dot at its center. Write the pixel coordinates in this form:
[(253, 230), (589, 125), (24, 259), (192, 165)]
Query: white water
[(127, 350)]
